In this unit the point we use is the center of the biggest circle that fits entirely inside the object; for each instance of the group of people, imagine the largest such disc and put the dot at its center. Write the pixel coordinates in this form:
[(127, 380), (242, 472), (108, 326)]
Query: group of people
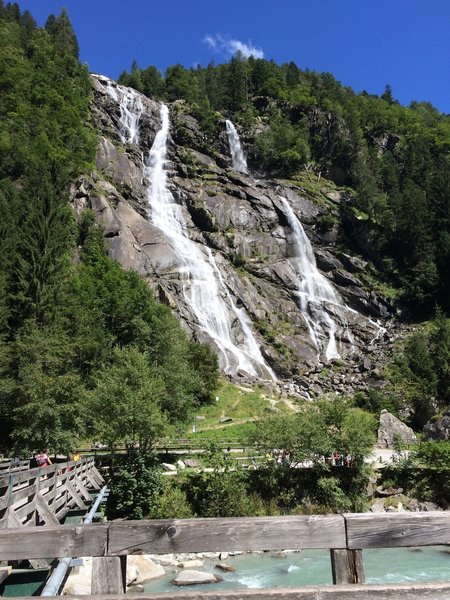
[(341, 460), (44, 460)]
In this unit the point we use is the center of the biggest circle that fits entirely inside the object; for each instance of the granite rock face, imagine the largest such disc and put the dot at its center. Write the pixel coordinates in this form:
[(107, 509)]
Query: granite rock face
[(240, 219), (391, 428)]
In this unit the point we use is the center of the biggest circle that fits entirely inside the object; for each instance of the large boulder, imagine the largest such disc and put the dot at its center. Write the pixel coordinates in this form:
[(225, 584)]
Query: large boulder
[(391, 429), (146, 569), (438, 428)]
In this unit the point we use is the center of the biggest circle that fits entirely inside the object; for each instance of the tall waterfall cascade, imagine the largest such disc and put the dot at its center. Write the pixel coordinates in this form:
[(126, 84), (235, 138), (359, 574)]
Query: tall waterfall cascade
[(318, 300), (237, 154), (203, 286)]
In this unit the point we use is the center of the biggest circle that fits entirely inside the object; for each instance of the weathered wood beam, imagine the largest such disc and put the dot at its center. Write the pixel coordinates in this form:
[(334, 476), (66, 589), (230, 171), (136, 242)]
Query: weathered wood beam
[(347, 566), (54, 542), (98, 476), (92, 481), (417, 591), (82, 488), (45, 511), (215, 535), (109, 575), (75, 495), (393, 530)]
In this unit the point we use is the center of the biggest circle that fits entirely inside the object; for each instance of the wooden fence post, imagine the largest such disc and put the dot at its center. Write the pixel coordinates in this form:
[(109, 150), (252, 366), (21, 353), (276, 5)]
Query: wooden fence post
[(347, 566), (108, 575)]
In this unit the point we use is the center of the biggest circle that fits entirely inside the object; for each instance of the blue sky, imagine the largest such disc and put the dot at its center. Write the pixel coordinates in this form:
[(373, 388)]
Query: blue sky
[(364, 43)]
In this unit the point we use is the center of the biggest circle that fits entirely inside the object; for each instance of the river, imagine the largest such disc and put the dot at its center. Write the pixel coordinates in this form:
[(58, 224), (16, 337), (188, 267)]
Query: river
[(313, 567)]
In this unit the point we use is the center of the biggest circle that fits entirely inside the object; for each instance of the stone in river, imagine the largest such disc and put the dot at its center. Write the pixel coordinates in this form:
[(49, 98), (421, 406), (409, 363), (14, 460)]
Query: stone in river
[(195, 577)]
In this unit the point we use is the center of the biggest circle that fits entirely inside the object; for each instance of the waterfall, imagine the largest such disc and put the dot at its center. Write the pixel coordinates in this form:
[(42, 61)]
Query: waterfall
[(202, 284), (131, 109), (317, 297), (237, 154)]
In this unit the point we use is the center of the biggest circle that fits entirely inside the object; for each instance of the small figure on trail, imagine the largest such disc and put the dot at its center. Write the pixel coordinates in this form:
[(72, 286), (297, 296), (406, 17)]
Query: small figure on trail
[(76, 456), (42, 459)]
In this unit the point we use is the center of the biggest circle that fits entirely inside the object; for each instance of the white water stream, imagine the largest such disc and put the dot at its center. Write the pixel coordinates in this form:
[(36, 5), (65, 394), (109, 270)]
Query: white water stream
[(203, 287), (131, 109), (317, 297), (237, 154)]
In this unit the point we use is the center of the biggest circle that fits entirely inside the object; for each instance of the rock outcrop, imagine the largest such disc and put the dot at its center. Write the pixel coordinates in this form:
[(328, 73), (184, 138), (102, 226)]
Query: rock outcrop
[(242, 222), (438, 428), (391, 429)]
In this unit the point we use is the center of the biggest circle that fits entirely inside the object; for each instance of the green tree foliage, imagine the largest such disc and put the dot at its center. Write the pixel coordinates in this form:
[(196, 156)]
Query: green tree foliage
[(135, 486), (311, 437), (129, 391), (422, 372), (424, 474), (85, 350)]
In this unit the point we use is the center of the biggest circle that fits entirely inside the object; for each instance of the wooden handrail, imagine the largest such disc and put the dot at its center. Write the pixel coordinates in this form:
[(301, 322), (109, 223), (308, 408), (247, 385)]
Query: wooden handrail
[(345, 535), (416, 591), (347, 531)]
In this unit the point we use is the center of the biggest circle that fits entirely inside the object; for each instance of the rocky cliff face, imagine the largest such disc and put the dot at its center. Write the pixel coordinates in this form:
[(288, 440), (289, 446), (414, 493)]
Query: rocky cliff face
[(244, 223)]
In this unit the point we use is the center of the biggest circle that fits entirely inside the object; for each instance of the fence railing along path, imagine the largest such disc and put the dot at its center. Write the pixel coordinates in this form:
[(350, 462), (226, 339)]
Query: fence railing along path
[(345, 535), (44, 495)]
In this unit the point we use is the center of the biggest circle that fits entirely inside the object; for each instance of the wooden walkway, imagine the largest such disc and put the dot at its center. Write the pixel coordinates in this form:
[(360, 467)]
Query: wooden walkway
[(44, 495)]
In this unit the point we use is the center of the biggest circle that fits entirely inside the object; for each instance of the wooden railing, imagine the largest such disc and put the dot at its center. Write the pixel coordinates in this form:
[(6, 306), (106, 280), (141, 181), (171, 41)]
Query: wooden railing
[(44, 495), (344, 535), (10, 466)]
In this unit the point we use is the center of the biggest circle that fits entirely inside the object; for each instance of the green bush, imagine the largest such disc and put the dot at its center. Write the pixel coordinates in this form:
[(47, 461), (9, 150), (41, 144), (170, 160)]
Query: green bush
[(135, 487)]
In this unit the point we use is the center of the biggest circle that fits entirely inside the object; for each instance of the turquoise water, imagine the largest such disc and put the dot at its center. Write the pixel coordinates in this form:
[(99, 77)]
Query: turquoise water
[(313, 567)]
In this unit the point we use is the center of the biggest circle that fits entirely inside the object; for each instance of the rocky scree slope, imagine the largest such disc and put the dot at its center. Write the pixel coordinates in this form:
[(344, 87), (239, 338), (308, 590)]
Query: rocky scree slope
[(243, 221)]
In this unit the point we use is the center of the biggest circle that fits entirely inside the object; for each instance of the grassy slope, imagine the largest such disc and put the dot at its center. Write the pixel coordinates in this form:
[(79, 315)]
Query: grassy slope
[(242, 404)]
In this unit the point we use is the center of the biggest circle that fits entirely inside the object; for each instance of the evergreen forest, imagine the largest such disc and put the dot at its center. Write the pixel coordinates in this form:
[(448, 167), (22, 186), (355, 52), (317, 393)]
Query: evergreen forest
[(75, 329)]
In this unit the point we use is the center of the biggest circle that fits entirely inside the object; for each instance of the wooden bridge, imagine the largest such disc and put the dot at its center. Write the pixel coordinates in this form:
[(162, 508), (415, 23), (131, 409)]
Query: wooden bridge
[(345, 535), (44, 495)]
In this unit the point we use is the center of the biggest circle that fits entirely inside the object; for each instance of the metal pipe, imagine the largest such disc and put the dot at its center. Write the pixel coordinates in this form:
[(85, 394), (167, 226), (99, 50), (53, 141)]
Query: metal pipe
[(88, 518), (56, 578)]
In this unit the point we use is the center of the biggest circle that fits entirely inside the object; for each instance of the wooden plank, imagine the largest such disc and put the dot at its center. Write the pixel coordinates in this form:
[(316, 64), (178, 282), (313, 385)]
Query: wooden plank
[(26, 510), (393, 530), (21, 476), (82, 488), (39, 563), (75, 495), (12, 519), (4, 573), (108, 575), (53, 542), (98, 476), (215, 535), (92, 481), (347, 566), (418, 591), (45, 512)]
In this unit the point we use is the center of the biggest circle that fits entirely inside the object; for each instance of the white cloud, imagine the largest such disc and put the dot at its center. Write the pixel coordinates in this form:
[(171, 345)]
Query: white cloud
[(224, 45)]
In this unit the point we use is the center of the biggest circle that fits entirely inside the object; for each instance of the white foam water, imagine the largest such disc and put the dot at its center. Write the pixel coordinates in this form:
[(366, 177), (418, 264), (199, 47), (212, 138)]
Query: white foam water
[(237, 154), (318, 300)]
